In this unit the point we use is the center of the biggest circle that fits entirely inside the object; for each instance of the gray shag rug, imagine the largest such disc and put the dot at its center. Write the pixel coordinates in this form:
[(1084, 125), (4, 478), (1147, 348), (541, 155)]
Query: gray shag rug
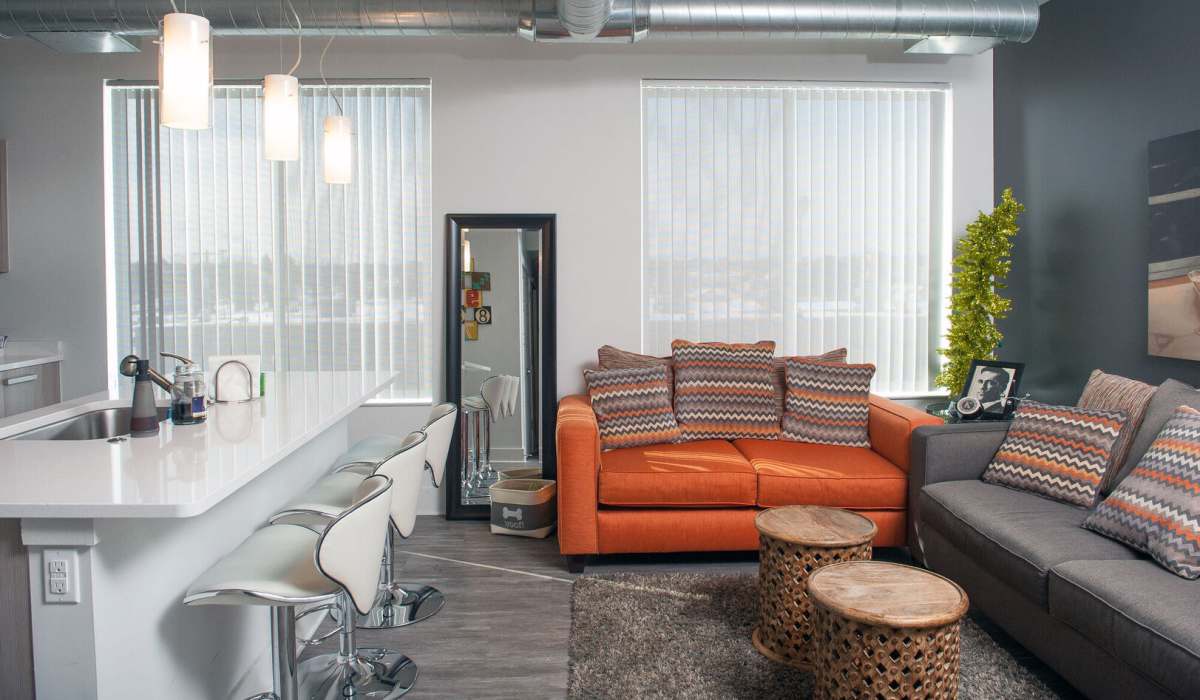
[(685, 635)]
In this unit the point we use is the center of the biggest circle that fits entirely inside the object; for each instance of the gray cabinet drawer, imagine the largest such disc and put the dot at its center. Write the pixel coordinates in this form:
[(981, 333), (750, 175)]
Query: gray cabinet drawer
[(29, 388)]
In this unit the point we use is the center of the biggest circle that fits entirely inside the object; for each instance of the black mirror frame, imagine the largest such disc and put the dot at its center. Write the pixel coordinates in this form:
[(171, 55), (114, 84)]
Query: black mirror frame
[(545, 223)]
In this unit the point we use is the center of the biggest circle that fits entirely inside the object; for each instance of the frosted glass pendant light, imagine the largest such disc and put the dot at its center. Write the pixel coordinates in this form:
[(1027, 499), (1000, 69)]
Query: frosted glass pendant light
[(185, 71), (338, 156), (281, 117)]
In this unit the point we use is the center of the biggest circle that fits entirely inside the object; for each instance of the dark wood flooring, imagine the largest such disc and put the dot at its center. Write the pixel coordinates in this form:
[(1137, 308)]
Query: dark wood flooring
[(507, 621)]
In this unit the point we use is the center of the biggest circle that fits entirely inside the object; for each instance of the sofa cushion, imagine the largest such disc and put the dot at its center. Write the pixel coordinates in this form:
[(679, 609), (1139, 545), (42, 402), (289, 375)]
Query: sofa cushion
[(1016, 535), (780, 373), (609, 357), (1169, 396), (1156, 508), (799, 473), (633, 406), (1116, 393), (704, 473), (1060, 452), (827, 402), (725, 391), (1139, 613)]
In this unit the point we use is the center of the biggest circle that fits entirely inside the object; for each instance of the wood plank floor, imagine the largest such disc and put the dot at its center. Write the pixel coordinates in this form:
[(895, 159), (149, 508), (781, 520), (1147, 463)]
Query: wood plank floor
[(506, 625)]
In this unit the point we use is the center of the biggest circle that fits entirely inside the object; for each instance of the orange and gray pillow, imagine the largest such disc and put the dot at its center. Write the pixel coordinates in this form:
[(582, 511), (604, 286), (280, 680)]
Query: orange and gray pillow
[(632, 406), (828, 403), (725, 390), (1060, 452), (610, 357), (1156, 508), (780, 378), (1116, 393)]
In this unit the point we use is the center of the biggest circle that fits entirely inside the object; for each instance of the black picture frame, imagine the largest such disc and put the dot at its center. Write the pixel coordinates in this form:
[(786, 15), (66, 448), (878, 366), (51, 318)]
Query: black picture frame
[(546, 225), (1013, 369)]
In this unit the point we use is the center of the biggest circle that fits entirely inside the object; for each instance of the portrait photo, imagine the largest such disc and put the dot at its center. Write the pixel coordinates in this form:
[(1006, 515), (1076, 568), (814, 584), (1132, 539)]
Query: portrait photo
[(992, 382)]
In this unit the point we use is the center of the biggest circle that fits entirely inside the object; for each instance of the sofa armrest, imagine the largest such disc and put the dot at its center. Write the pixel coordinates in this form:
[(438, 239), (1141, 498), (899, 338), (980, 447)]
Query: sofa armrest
[(950, 452), (890, 426), (578, 439)]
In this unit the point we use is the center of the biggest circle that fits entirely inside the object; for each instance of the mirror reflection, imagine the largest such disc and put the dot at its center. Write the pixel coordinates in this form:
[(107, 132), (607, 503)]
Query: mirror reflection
[(501, 347)]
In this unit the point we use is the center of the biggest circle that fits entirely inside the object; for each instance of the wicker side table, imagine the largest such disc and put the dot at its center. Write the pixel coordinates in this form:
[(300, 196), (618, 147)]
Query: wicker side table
[(886, 631), (794, 541)]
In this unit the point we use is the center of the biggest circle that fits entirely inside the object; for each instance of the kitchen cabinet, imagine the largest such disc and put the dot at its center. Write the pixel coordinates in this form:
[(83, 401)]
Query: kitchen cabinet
[(29, 388)]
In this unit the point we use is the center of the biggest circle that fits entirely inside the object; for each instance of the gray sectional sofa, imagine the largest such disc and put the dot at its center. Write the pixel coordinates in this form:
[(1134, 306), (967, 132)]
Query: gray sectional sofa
[(1108, 619)]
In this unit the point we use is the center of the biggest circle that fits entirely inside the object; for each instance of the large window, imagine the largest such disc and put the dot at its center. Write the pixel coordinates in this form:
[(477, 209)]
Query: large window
[(214, 250), (809, 214)]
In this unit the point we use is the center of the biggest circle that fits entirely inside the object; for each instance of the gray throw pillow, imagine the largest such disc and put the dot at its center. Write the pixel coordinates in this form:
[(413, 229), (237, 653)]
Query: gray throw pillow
[(1169, 396)]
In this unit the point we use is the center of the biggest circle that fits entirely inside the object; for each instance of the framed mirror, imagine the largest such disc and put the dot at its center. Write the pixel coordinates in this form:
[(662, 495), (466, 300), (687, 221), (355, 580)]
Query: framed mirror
[(500, 353)]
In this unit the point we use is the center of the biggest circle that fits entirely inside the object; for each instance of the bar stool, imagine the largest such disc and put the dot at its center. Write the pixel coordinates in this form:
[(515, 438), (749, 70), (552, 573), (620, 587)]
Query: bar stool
[(403, 460), (496, 400), (283, 566)]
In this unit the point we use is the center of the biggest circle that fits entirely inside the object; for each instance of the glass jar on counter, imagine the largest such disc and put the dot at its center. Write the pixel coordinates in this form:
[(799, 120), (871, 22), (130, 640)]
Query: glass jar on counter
[(188, 396)]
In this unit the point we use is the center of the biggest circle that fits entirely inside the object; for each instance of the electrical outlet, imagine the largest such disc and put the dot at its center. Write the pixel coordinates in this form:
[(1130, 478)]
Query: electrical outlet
[(60, 571)]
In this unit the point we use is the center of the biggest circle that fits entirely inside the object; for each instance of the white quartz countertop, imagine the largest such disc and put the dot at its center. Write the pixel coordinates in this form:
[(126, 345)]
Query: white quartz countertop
[(18, 354), (184, 470)]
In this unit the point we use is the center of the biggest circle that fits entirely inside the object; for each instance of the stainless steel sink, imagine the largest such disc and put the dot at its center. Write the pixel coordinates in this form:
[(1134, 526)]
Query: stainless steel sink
[(93, 425)]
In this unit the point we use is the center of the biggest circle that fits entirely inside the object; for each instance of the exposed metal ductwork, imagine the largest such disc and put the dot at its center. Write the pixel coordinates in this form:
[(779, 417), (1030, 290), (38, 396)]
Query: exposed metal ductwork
[(549, 20)]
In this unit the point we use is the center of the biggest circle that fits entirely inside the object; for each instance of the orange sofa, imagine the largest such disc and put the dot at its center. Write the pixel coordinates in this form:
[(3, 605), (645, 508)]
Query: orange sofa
[(703, 496)]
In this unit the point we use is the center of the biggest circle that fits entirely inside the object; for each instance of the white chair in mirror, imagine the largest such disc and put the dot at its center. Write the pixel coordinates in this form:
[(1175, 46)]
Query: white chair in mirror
[(498, 399), (286, 565)]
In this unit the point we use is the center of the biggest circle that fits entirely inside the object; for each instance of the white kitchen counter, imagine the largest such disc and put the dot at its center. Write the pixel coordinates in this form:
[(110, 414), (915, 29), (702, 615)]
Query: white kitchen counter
[(18, 354), (184, 470), (145, 516)]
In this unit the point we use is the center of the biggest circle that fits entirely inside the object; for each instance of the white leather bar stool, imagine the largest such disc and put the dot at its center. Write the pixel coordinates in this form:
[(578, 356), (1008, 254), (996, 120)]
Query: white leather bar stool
[(283, 566), (403, 460), (496, 400)]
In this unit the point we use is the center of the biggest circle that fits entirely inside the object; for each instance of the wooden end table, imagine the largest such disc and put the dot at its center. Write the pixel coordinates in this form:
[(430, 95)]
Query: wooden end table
[(795, 541), (886, 631)]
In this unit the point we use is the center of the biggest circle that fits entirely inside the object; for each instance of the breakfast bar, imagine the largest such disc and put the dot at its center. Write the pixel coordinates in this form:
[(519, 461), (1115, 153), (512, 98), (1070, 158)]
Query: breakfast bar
[(134, 520)]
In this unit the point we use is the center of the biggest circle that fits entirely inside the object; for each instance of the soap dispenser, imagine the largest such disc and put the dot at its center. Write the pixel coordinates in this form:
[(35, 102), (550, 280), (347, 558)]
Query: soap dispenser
[(144, 422)]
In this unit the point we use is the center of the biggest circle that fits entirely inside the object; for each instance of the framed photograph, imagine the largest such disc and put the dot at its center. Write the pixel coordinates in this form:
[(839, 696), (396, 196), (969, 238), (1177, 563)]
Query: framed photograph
[(992, 382), (1173, 275)]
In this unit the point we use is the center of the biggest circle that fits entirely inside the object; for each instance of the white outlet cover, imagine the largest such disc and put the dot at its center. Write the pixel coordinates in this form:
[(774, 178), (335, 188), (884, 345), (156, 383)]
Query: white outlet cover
[(60, 575)]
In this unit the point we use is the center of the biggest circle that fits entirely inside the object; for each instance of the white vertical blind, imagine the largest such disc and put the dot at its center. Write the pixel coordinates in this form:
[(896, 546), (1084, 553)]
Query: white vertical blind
[(808, 214), (219, 251)]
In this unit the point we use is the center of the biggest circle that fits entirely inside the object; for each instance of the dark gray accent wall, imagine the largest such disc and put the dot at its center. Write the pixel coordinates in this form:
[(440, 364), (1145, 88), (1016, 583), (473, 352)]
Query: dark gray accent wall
[(1074, 112)]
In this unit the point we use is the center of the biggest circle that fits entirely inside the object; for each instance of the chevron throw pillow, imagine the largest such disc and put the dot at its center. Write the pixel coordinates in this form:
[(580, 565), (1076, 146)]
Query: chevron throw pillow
[(724, 391), (1156, 508), (827, 402), (1059, 452), (632, 406)]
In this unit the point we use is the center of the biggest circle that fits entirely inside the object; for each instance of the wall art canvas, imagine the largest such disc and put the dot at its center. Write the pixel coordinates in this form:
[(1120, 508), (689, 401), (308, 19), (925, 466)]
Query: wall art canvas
[(1173, 285), (3, 206)]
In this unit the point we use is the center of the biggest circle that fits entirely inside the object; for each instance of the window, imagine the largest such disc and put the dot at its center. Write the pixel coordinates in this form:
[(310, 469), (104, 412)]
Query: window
[(809, 214), (214, 250)]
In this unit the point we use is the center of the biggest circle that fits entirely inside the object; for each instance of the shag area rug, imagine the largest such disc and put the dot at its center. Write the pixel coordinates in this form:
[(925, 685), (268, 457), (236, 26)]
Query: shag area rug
[(687, 635)]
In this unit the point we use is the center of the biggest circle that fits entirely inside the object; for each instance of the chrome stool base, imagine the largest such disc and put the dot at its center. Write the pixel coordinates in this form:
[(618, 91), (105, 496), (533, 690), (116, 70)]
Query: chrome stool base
[(371, 674), (400, 604)]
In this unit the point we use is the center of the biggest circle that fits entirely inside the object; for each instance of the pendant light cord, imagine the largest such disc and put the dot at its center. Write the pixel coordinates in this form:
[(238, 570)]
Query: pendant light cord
[(321, 68), (299, 38)]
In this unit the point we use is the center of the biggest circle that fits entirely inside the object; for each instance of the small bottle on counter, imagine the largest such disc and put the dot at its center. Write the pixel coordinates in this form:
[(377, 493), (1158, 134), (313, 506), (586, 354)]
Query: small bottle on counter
[(188, 400)]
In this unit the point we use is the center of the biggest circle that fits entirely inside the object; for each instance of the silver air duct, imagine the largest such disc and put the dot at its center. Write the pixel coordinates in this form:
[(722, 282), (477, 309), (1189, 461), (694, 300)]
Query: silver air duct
[(974, 23)]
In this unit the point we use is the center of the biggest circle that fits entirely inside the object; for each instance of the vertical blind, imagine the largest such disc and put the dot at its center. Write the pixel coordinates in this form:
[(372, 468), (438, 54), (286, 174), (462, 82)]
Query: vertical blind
[(217, 250), (808, 214)]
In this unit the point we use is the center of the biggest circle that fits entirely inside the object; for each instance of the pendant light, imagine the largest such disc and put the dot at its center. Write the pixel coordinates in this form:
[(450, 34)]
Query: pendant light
[(281, 107), (185, 71), (339, 136)]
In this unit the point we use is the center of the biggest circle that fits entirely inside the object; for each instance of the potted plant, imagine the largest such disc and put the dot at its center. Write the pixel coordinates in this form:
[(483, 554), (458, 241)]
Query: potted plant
[(983, 258)]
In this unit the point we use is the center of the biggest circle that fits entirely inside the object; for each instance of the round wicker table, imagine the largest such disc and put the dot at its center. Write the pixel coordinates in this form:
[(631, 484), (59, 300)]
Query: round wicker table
[(886, 631), (795, 541)]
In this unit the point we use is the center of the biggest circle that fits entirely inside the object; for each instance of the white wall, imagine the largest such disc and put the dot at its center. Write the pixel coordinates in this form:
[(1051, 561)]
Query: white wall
[(517, 127)]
